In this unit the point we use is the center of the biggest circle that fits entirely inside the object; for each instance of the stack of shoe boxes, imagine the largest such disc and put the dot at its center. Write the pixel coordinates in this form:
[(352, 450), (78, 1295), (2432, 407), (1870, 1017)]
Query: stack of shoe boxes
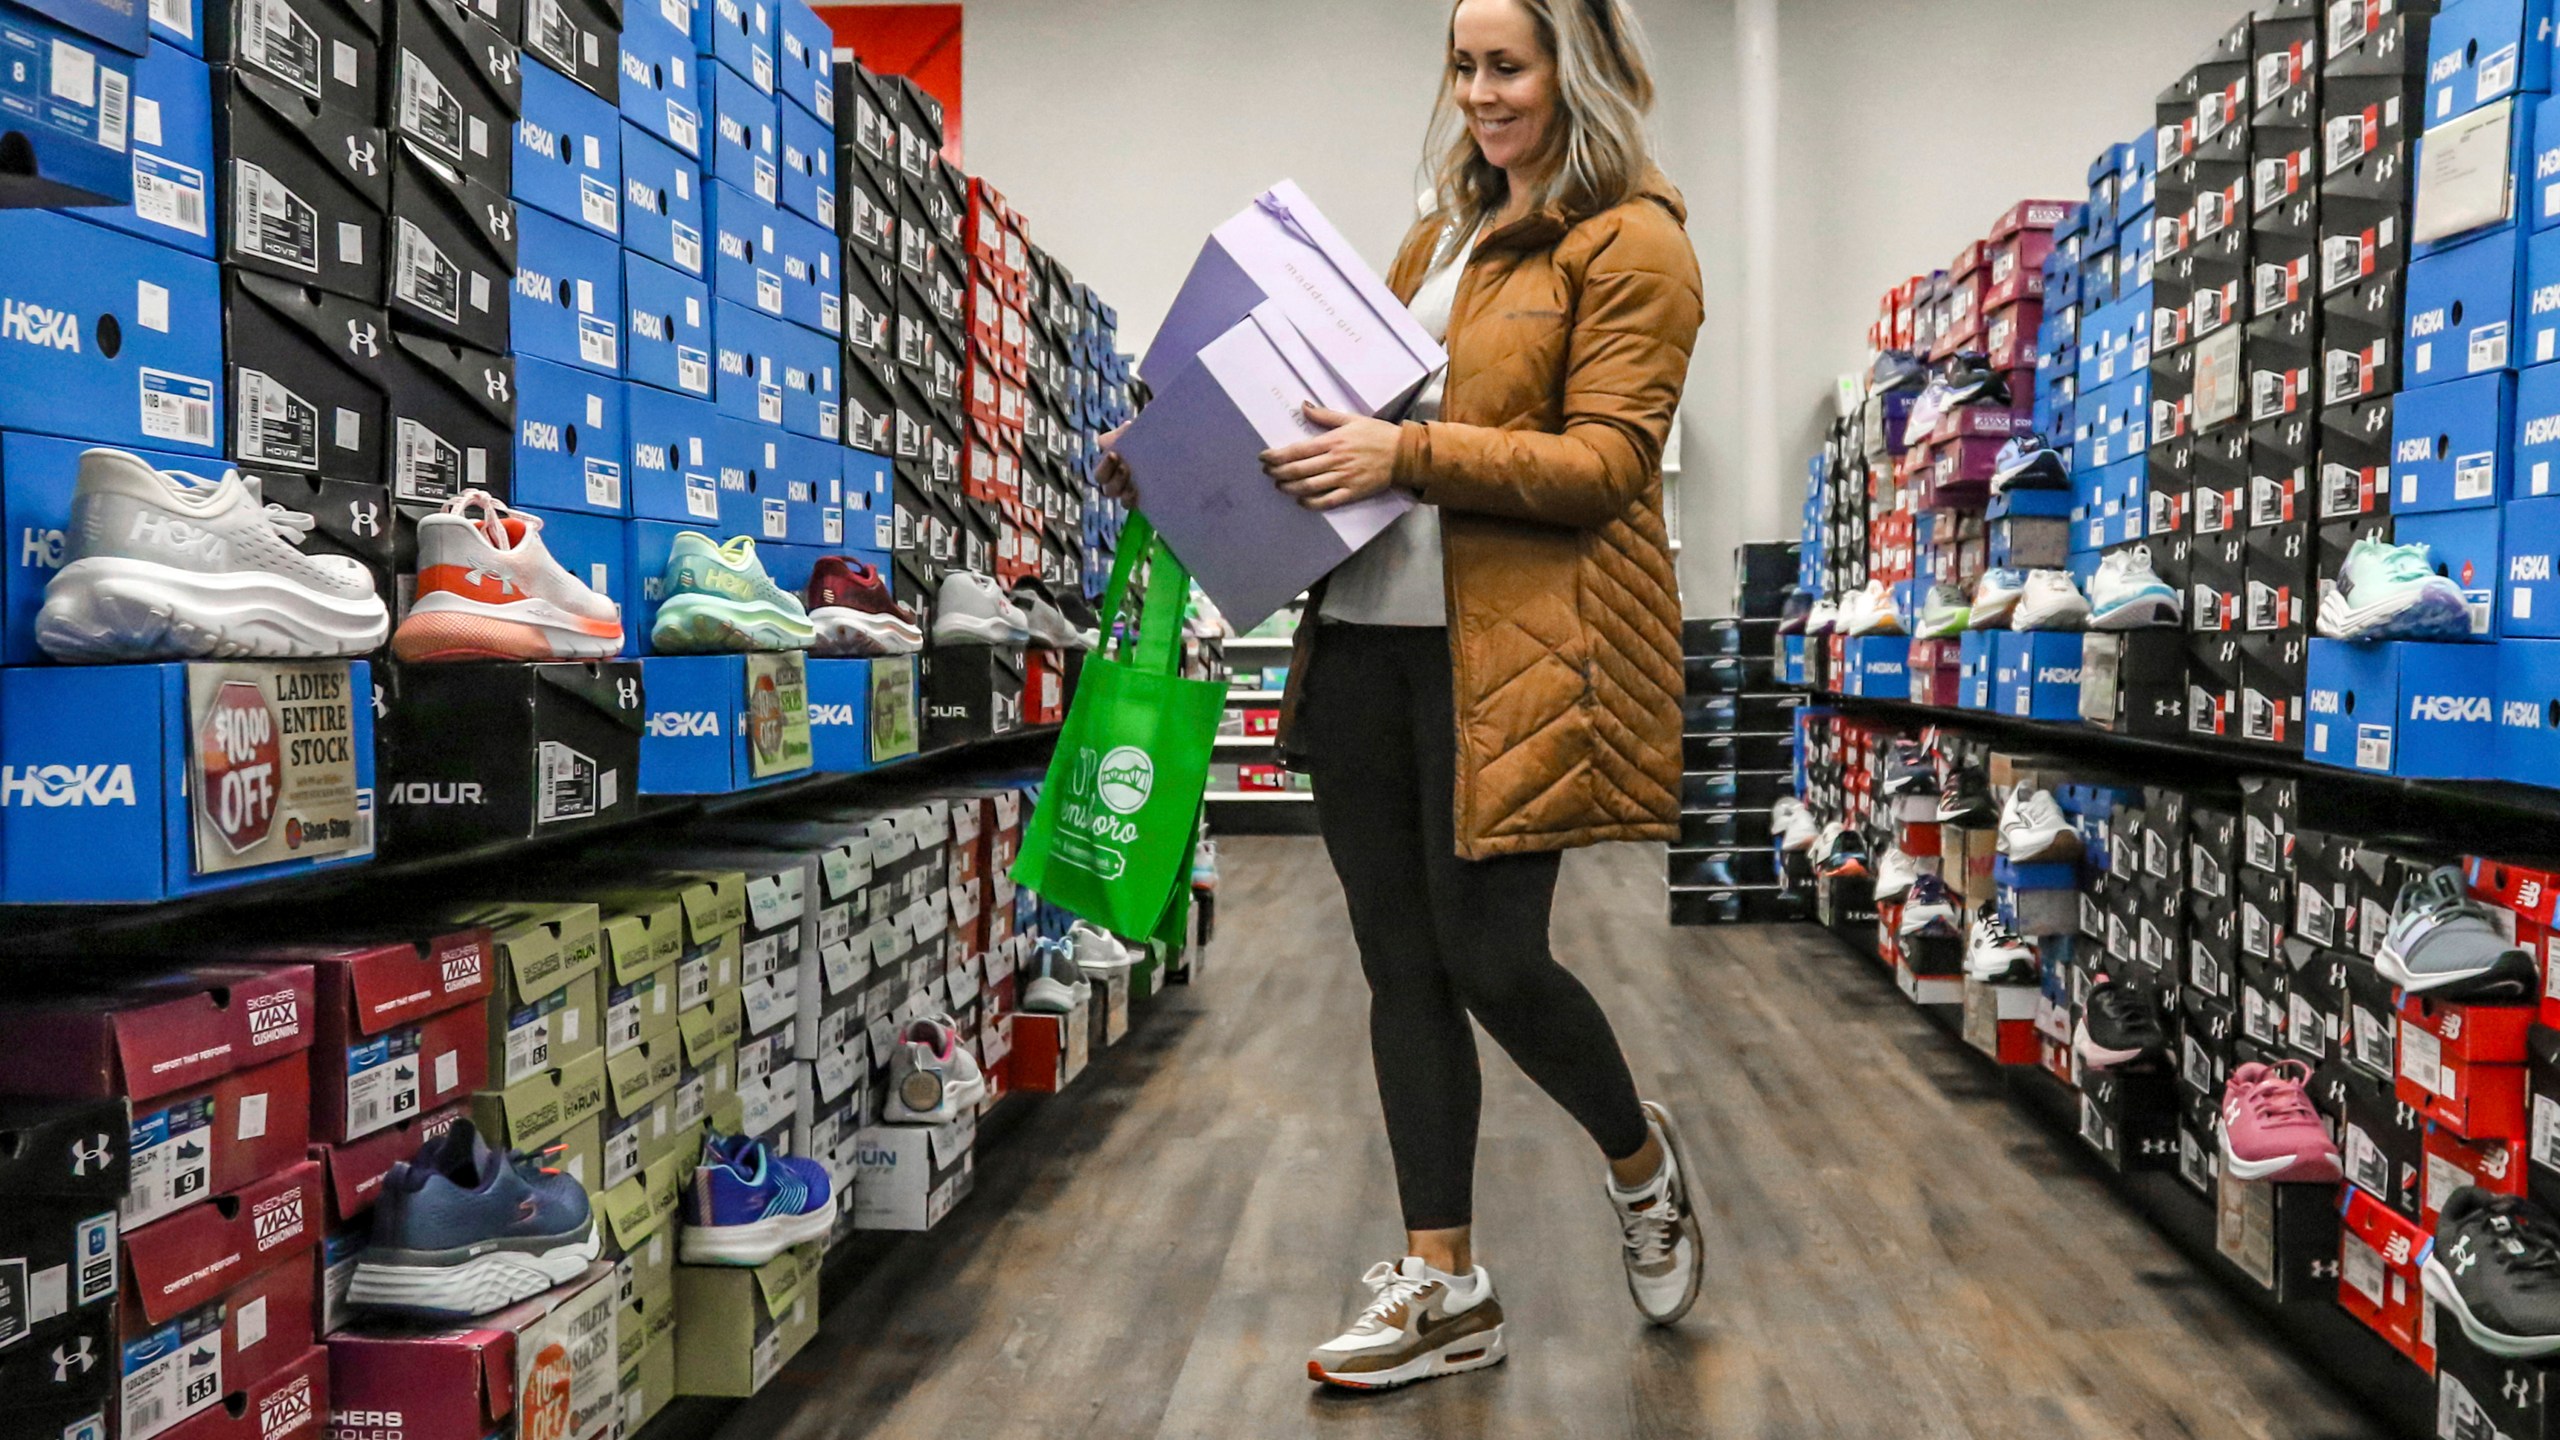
[(64, 1172), (1737, 747)]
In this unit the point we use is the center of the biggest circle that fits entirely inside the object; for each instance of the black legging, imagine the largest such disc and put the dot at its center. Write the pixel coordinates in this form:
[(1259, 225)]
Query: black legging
[(1440, 937)]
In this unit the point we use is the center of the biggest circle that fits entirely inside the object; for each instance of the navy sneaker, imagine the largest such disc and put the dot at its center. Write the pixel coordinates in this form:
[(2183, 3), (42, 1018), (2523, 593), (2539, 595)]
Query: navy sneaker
[(746, 1204), (465, 1229), (1896, 370), (2027, 463)]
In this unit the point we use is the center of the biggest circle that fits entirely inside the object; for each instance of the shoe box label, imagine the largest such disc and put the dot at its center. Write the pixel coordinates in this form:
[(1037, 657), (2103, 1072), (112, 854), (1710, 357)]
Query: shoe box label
[(305, 379), (668, 336), (812, 283), (568, 152), (452, 416), (672, 458), (746, 250), (326, 50), (2402, 708), (2468, 548), (740, 35), (457, 88), (2462, 311), (2469, 184), (70, 103), (306, 187), (663, 204), (171, 132), (214, 1139), (568, 302), (745, 346), (119, 342), (570, 440), (745, 145), (579, 40), (808, 167), (453, 252), (2450, 443), (467, 731), (662, 81)]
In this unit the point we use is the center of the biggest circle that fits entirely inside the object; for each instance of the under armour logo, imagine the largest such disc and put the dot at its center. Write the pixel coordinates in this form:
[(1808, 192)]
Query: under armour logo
[(364, 517), (96, 1153), (72, 1359), (627, 693), (2517, 1388), (360, 156), (502, 64), (2463, 1259), (362, 340), (495, 382), (502, 221), (2324, 1269), (381, 707)]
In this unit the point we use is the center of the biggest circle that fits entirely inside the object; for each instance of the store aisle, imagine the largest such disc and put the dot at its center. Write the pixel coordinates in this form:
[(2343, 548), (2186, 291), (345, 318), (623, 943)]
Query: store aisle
[(1900, 1253)]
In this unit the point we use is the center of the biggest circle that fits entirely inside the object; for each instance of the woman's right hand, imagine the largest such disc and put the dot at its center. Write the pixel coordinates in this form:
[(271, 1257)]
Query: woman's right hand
[(1111, 473)]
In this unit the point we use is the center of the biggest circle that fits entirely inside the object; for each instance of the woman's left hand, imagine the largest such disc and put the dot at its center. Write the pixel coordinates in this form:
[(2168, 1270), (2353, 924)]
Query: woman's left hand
[(1353, 460)]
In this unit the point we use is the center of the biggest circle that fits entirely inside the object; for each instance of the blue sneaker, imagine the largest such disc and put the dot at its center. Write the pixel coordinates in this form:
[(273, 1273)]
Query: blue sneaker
[(464, 1229), (746, 1204), (2393, 592)]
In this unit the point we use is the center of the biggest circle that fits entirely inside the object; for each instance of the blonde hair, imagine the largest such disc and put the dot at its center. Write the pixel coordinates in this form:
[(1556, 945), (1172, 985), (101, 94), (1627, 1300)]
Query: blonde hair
[(1597, 152)]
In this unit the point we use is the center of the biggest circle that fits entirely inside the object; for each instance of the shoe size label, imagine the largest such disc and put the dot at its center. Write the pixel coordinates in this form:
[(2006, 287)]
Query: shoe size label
[(688, 247), (621, 1155), (427, 468), (276, 40), (684, 127), (599, 339), (2306, 1029), (172, 1160), (176, 407), (551, 34), (168, 193), (600, 204), (275, 426), (693, 370), (604, 485), (271, 222), (571, 786), (530, 1032), (702, 497), (172, 1372), (2544, 1142), (383, 1081), (2422, 1061), (425, 110), (423, 275)]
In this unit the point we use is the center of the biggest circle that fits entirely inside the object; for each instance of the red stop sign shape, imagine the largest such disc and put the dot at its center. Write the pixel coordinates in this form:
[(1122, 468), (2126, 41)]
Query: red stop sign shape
[(764, 718), (243, 764), (542, 1406)]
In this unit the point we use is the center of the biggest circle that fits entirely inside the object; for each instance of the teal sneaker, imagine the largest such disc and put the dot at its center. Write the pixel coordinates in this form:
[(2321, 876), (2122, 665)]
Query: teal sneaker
[(719, 601)]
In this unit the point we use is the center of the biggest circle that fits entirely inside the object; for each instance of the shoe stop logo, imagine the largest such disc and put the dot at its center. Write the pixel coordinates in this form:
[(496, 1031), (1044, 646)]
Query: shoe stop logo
[(764, 720), (242, 760)]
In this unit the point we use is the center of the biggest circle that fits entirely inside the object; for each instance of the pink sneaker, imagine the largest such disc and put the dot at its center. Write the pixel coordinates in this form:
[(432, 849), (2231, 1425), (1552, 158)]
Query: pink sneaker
[(2270, 1131)]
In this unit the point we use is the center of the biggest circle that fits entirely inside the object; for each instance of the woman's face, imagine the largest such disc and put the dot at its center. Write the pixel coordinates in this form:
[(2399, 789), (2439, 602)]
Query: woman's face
[(1505, 79)]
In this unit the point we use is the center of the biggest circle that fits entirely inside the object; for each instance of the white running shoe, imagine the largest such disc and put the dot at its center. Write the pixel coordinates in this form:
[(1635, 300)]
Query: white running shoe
[(1871, 611), (1823, 618), (1050, 629), (1053, 983), (1894, 874), (1995, 599), (1945, 614), (1098, 953), (2127, 594), (1800, 833), (488, 589), (2034, 830), (167, 566), (970, 610), (933, 1079), (1997, 955), (2050, 602)]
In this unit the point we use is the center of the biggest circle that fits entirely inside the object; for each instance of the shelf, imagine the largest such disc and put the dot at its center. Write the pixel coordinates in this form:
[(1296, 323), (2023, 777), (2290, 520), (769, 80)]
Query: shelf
[(1246, 742), (1256, 797), (1251, 697)]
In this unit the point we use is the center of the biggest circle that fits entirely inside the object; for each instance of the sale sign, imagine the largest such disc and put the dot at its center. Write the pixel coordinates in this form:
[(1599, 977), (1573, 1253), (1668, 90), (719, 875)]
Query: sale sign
[(272, 770)]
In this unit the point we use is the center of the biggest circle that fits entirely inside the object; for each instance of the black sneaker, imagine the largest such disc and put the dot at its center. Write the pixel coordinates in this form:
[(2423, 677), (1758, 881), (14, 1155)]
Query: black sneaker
[(2118, 1026), (1970, 380), (1896, 370), (1911, 771), (2495, 1265), (1966, 798)]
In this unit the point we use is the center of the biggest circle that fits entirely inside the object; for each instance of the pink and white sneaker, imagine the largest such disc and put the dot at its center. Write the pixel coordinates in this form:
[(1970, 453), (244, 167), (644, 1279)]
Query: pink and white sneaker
[(2270, 1131)]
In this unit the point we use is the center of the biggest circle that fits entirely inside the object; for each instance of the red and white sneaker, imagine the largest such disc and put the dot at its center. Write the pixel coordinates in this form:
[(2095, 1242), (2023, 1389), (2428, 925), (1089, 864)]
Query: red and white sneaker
[(849, 603), (2270, 1131), (488, 589)]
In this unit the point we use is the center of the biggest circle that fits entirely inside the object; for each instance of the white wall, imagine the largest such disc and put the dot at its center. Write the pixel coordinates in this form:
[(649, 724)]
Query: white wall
[(1887, 134)]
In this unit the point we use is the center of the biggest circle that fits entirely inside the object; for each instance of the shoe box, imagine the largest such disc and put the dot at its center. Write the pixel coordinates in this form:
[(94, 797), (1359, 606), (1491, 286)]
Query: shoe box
[(568, 302), (218, 1299), (476, 754), (304, 378), (672, 455), (746, 358), (306, 186), (458, 89), (719, 723), (2451, 443), (2380, 1251), (669, 332), (740, 34), (745, 144), (663, 215), (63, 1168), (662, 79), (571, 444), (70, 149), (172, 147), (567, 161), (2466, 311), (454, 249), (452, 418), (768, 489), (2462, 1067), (334, 58), (555, 1351), (119, 344), (2407, 708), (2468, 548), (742, 1324), (808, 166)]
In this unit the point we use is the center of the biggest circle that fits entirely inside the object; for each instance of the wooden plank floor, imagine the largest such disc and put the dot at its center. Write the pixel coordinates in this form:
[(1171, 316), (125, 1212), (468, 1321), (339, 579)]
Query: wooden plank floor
[(1897, 1252)]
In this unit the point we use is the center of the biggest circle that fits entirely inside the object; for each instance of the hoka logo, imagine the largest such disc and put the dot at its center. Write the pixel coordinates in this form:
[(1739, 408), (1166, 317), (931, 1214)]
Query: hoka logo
[(653, 457), (535, 287), (2546, 299), (643, 197), (187, 541), (2521, 715), (824, 716), (647, 326), (735, 362), (2430, 323), (634, 70), (54, 786), (2449, 709), (541, 435), (2324, 702), (685, 725), (733, 246), (287, 1410), (534, 137), (32, 324), (2530, 567), (280, 1221), (41, 549), (2542, 430), (2056, 675), (2445, 69), (273, 1018), (2416, 451)]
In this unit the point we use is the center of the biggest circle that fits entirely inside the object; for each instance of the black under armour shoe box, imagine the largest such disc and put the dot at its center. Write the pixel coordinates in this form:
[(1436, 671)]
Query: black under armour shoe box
[(305, 384), (63, 1168), (582, 39), (2486, 1395), (303, 188), (2283, 1237), (971, 692), (477, 754), (2130, 1118), (329, 51), (2381, 1142), (452, 419), (453, 251), (456, 89)]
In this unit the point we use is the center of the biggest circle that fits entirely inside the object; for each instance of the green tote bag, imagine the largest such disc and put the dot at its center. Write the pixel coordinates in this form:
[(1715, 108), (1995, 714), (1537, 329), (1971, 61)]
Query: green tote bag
[(1111, 837)]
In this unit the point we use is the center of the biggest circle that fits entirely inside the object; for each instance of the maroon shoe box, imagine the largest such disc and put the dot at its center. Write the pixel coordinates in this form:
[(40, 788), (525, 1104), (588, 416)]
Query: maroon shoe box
[(213, 1139), (214, 1304), (452, 1384), (353, 1171), (289, 1404), (154, 1036)]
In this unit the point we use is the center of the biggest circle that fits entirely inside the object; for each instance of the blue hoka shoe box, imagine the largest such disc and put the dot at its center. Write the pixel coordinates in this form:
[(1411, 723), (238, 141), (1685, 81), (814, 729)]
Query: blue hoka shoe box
[(596, 549), (2036, 674), (808, 363), (69, 103), (745, 147), (746, 259), (808, 60), (172, 136), (2529, 712), (2451, 443), (570, 439), (112, 338), (1878, 668), (2465, 309), (2529, 598), (2416, 709), (568, 160), (866, 500), (97, 804), (569, 305), (2481, 51), (671, 457), (1791, 659), (812, 282), (723, 723), (668, 340), (662, 78), (662, 212), (2537, 458), (1974, 664), (748, 371), (740, 35), (840, 715), (808, 167)]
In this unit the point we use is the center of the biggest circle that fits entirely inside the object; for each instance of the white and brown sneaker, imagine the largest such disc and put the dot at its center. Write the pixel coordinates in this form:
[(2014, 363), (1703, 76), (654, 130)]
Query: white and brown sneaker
[(1659, 1225), (1420, 1323)]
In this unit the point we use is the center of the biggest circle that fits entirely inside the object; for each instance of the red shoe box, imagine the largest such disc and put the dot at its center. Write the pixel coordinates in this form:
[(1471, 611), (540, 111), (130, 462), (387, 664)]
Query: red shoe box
[(402, 1030), (2453, 1162), (2009, 335), (2379, 1253), (213, 1303), (2531, 894), (1049, 1051), (213, 1139), (538, 1368), (352, 1172), (2462, 1066), (291, 1403), (155, 1036), (2000, 1021)]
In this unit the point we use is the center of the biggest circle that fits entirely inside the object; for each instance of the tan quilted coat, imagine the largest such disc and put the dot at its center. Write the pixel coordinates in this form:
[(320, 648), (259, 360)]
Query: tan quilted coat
[(1568, 347)]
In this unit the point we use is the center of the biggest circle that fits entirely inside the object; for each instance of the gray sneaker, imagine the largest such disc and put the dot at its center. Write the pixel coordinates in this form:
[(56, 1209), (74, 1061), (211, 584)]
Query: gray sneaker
[(1419, 1324), (2442, 943), (1665, 1250)]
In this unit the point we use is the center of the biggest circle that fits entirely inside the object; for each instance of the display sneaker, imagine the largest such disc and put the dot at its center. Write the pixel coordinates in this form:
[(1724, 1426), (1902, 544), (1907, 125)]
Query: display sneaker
[(1911, 770), (720, 601), (2127, 594), (1997, 955), (2270, 1131), (2445, 944), (1995, 599), (747, 1204), (1929, 911), (1204, 864), (2034, 831), (1420, 1323), (1966, 798), (933, 1079), (2118, 1026), (853, 613), (2050, 601), (1871, 611), (1659, 1236), (1795, 610), (489, 589), (1843, 856), (1894, 874), (2495, 1265), (1053, 983), (1894, 371), (169, 566), (1099, 953), (1970, 380), (1800, 834), (1930, 407), (2027, 463), (464, 1228), (1050, 628), (2392, 592), (970, 610), (1823, 618), (1945, 614)]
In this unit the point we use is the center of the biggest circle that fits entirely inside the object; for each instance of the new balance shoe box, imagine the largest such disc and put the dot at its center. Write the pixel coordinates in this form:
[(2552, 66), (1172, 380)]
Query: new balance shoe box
[(571, 442), (662, 217), (2380, 1251), (568, 151), (476, 754), (2463, 1066), (119, 342), (215, 1302), (721, 723), (63, 1166), (2542, 1147), (454, 249), (457, 89), (669, 335), (173, 154), (2451, 443), (548, 1360), (452, 418), (662, 78), (568, 304), (2468, 548), (68, 123)]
